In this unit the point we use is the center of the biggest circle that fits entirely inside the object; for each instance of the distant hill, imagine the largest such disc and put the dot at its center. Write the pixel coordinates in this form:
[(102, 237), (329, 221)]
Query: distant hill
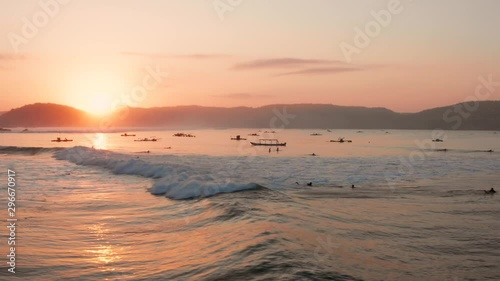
[(313, 116), (45, 115)]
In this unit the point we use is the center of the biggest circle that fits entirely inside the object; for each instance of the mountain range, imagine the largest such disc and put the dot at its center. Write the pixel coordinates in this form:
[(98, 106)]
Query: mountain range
[(484, 115)]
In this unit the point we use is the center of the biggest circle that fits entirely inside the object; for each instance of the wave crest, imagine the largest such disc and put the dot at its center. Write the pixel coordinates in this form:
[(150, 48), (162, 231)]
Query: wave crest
[(174, 181)]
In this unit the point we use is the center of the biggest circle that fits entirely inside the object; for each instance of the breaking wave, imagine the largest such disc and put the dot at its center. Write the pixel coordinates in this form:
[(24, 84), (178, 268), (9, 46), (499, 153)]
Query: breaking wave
[(173, 180)]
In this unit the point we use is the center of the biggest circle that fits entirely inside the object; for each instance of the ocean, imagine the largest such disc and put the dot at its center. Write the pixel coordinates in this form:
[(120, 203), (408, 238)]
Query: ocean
[(106, 207)]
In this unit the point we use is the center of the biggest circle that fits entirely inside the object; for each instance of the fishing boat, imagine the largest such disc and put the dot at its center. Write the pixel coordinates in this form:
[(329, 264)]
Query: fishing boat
[(61, 140), (269, 142), (316, 134), (254, 134), (184, 135), (341, 140), (238, 138), (437, 140), (127, 135), (147, 139)]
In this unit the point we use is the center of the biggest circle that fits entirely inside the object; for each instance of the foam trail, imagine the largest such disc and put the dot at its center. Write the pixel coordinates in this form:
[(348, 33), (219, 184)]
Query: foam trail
[(174, 181)]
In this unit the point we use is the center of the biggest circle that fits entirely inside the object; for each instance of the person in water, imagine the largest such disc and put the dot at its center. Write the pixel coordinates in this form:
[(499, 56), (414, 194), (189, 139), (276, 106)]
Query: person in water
[(491, 191), (352, 186), (309, 184)]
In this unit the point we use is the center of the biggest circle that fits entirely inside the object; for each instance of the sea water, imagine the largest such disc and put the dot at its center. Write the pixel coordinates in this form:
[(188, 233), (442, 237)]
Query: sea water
[(208, 208)]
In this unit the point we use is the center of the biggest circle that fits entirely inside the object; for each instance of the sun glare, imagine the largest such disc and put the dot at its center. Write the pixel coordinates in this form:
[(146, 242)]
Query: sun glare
[(95, 91), (98, 104)]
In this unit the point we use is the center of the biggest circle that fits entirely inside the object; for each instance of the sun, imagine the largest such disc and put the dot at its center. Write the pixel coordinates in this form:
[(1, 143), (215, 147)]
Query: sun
[(95, 90), (98, 104)]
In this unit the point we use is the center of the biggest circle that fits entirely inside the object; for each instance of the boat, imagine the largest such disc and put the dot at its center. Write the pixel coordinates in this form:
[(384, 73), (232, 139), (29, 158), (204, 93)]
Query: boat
[(437, 140), (184, 135), (269, 142), (61, 140), (127, 135), (238, 138), (148, 139), (316, 134), (5, 130), (254, 135), (341, 140)]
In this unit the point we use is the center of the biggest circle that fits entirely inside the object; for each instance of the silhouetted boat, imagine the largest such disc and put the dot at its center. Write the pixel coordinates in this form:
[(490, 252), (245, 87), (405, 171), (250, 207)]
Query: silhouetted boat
[(254, 134), (184, 135), (269, 142), (5, 130), (238, 138), (127, 135), (341, 140), (147, 139), (437, 140), (61, 140), (316, 134)]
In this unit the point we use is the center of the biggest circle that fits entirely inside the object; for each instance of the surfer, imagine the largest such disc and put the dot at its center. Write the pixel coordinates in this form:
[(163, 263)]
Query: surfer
[(491, 191), (309, 184), (352, 186)]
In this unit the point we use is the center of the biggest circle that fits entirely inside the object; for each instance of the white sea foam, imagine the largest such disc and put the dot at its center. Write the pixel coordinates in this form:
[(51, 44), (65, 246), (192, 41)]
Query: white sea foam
[(175, 181)]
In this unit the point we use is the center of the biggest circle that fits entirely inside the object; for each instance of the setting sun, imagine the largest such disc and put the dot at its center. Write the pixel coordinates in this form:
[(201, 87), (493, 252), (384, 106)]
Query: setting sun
[(94, 88), (98, 104)]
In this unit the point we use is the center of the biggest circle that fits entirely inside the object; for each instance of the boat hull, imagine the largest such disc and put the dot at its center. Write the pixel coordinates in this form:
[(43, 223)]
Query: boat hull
[(268, 144)]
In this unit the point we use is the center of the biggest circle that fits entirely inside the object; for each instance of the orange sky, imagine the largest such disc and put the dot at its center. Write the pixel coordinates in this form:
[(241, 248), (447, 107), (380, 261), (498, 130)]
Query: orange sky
[(96, 54)]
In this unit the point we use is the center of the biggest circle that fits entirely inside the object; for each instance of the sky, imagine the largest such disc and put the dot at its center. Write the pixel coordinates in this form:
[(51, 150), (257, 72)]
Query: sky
[(95, 54)]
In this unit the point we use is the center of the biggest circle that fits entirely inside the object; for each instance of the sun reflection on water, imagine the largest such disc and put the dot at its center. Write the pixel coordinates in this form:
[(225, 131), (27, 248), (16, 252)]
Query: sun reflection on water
[(103, 253), (100, 141)]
